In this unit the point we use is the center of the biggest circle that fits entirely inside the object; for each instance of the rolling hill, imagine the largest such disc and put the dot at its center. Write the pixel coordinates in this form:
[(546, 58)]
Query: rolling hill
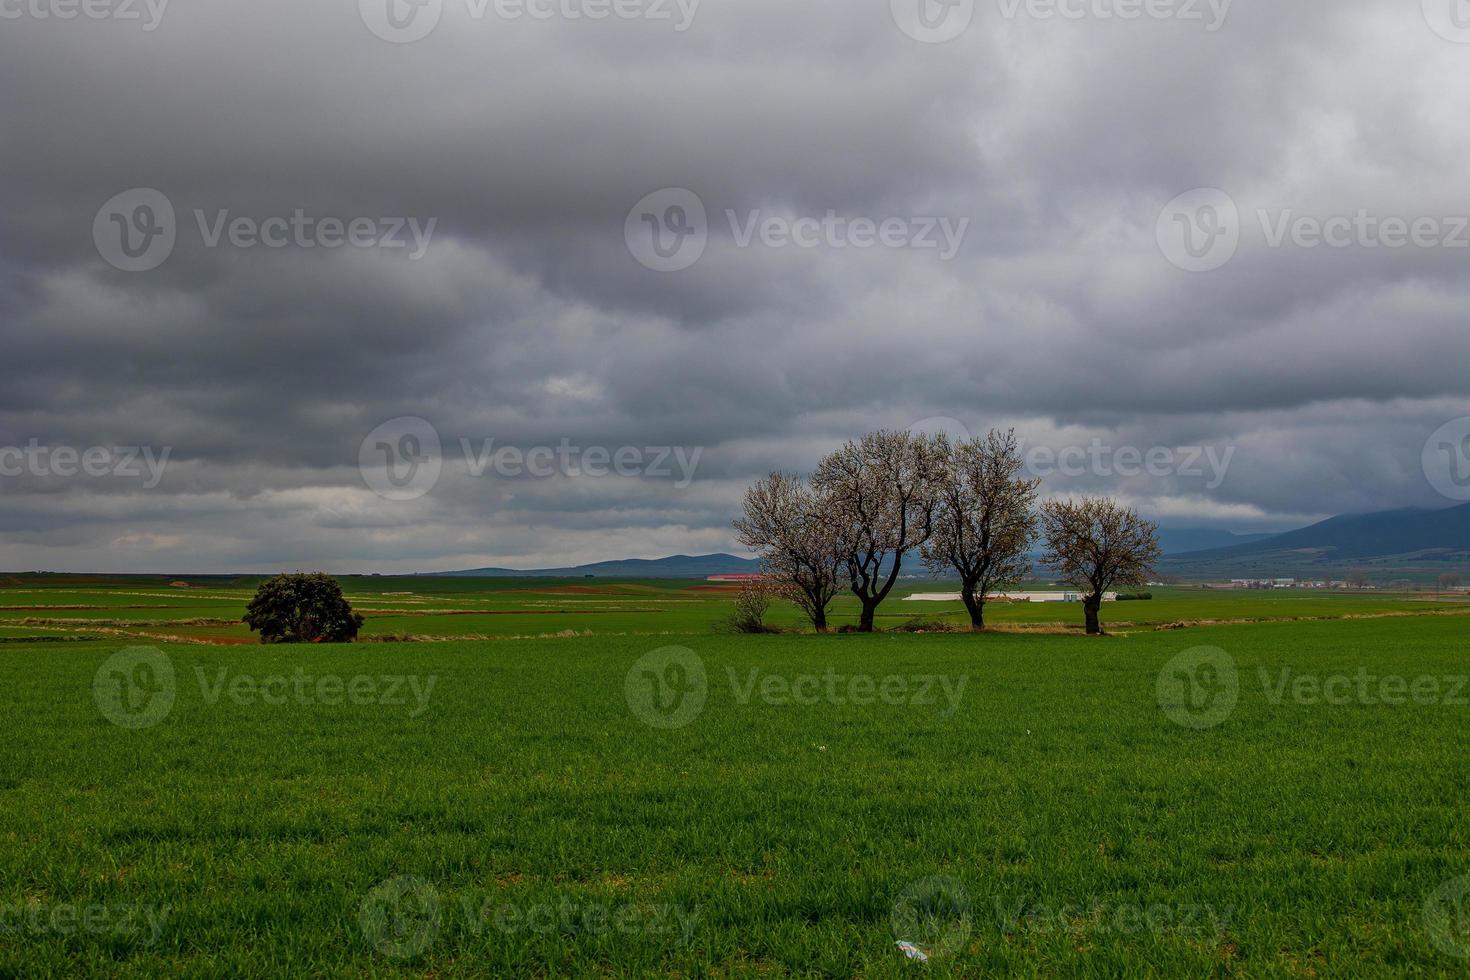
[(1397, 539), (675, 566)]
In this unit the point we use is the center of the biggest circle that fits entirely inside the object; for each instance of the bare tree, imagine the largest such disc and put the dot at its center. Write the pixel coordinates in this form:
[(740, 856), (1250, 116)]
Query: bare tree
[(752, 602), (880, 493), (1096, 543), (1451, 580), (983, 525), (784, 523)]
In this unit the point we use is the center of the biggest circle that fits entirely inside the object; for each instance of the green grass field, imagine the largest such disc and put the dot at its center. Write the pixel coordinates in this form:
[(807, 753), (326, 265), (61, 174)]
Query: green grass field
[(479, 609), (1278, 798)]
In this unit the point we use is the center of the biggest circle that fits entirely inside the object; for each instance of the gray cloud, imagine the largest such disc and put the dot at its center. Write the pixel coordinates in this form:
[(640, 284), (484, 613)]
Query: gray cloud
[(529, 321)]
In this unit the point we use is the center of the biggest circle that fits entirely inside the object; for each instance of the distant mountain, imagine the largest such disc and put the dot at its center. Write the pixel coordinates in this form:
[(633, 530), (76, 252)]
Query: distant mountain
[(1181, 540), (676, 566), (1397, 538), (1391, 539)]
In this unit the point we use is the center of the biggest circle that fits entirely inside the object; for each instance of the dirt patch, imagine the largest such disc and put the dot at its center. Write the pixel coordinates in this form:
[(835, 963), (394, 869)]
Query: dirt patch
[(213, 641), (77, 608)]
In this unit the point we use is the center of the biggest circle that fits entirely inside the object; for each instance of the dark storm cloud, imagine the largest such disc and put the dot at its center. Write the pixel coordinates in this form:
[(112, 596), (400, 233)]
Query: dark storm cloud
[(527, 320)]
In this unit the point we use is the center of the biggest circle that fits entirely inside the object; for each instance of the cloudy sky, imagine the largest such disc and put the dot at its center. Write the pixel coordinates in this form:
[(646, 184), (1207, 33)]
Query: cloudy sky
[(302, 255)]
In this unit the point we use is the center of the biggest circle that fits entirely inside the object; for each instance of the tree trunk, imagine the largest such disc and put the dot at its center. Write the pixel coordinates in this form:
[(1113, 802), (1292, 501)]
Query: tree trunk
[(975, 605), (1091, 606), (865, 623), (819, 620)]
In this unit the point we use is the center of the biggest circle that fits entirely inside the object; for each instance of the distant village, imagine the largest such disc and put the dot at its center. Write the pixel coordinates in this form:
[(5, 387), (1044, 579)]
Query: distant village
[(1292, 583)]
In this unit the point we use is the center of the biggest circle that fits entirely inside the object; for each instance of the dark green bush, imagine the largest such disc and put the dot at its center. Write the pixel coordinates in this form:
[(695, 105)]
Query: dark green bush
[(302, 609)]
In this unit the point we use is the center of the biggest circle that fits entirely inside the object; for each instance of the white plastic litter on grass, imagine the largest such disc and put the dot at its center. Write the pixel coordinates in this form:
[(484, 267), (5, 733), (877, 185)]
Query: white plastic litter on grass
[(912, 952)]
